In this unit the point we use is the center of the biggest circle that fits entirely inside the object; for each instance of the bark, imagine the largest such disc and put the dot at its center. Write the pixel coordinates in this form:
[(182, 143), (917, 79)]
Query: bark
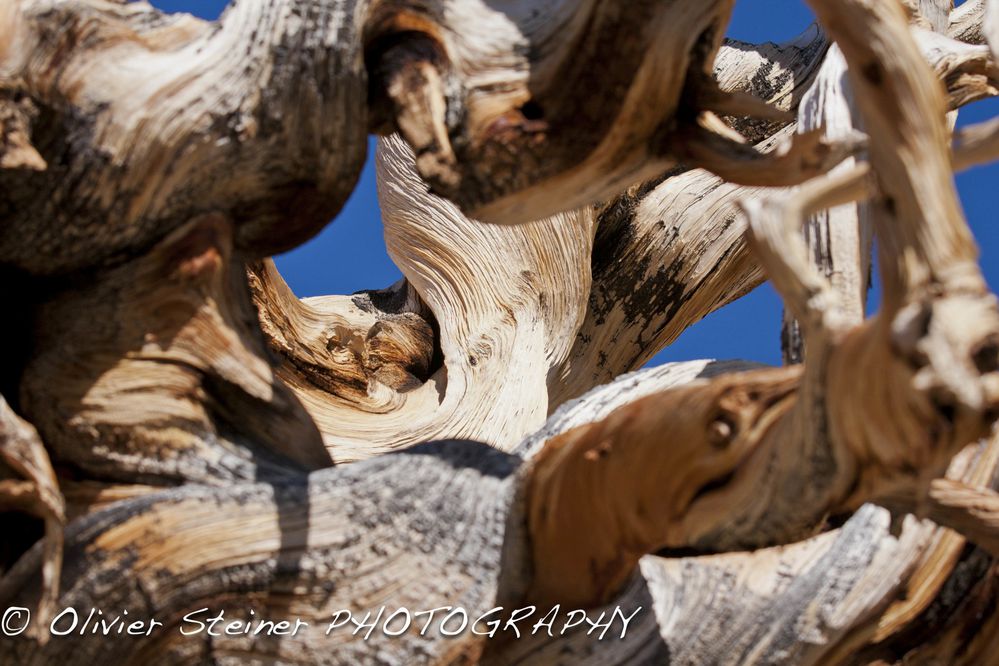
[(189, 417)]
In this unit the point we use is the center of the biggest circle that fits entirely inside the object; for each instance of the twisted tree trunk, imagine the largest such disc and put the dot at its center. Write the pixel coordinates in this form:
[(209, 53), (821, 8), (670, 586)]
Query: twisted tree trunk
[(182, 437)]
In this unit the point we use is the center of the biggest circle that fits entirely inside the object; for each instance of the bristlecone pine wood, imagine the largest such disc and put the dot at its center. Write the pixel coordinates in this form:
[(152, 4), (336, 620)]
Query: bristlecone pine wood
[(566, 186)]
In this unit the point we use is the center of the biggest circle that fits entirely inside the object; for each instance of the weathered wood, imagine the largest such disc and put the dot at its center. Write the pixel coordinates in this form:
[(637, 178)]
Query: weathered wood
[(297, 549), (966, 20), (28, 484), (163, 377), (581, 466), (990, 26), (973, 512), (107, 132), (783, 605), (838, 239), (976, 144), (779, 74), (501, 317), (142, 167), (512, 137)]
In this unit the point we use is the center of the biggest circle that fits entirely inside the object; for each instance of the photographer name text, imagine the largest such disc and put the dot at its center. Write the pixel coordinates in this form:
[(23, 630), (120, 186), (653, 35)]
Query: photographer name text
[(448, 621)]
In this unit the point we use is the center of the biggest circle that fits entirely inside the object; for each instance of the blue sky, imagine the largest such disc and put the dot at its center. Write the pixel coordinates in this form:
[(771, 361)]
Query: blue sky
[(349, 255)]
